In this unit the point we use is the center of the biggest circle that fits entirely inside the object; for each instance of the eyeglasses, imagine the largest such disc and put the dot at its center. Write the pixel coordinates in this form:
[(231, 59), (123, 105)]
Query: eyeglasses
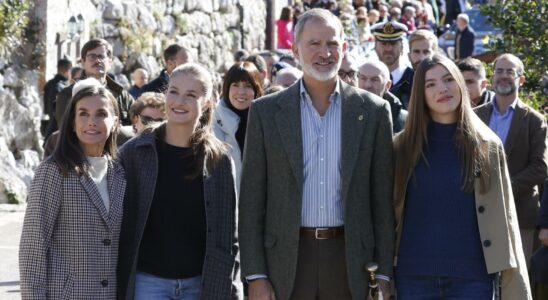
[(146, 120), (93, 56), (509, 72), (349, 74)]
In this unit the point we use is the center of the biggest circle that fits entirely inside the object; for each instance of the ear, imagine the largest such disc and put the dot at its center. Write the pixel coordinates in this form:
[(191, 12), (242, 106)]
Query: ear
[(344, 47), (521, 80), (207, 104), (388, 84), (483, 83), (295, 51)]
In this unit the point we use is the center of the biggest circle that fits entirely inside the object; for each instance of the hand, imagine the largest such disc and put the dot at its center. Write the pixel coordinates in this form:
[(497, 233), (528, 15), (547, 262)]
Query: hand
[(543, 236), (385, 289), (261, 289)]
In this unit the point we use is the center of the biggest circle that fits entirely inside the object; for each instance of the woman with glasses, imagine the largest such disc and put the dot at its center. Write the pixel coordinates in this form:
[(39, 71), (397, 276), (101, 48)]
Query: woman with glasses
[(456, 219), (242, 85), (147, 110)]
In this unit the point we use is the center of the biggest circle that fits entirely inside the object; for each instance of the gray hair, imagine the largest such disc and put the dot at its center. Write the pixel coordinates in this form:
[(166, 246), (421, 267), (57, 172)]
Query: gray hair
[(385, 73), (318, 14), (512, 58), (464, 17), (199, 73)]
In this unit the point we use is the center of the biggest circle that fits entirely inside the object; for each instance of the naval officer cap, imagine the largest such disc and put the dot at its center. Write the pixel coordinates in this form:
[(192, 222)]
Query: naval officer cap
[(389, 31)]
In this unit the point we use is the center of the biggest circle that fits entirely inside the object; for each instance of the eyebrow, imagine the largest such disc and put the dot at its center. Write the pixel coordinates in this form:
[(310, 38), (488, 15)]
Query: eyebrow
[(443, 76)]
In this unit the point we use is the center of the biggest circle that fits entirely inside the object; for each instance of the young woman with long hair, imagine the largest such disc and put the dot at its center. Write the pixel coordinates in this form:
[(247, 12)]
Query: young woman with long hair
[(69, 244), (456, 219), (242, 85), (178, 232)]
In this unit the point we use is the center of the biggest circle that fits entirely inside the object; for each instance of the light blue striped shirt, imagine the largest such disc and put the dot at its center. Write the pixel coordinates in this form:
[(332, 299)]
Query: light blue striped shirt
[(500, 123), (321, 136)]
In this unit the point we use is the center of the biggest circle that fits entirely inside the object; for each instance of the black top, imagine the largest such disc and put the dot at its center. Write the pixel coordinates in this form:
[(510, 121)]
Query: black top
[(158, 85), (242, 126), (174, 240)]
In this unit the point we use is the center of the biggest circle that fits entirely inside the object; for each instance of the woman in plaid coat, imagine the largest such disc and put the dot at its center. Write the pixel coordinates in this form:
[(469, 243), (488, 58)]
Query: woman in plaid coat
[(178, 237), (69, 244)]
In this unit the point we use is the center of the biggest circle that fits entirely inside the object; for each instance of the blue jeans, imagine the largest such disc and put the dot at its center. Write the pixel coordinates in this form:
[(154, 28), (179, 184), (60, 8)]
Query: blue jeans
[(150, 287), (434, 288)]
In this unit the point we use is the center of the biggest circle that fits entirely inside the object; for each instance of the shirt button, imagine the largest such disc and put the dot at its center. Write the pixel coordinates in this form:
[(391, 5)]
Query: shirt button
[(321, 182), (106, 242), (487, 243), (481, 209), (104, 283), (321, 207), (321, 159), (321, 135)]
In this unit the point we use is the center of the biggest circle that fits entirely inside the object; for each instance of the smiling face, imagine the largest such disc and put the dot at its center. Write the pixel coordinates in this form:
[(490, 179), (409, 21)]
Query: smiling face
[(241, 94), (94, 122), (97, 62), (442, 94), (507, 77), (319, 50), (185, 100)]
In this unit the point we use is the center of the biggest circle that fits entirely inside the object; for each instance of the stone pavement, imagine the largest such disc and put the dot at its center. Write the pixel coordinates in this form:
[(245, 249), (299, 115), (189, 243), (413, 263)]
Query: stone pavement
[(11, 223)]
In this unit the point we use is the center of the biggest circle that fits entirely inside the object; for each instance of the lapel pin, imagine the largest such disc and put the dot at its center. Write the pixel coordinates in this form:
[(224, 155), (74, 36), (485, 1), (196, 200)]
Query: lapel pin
[(360, 118)]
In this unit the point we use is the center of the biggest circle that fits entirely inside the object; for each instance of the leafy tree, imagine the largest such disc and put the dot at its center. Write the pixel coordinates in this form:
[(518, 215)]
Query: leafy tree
[(13, 21), (525, 35)]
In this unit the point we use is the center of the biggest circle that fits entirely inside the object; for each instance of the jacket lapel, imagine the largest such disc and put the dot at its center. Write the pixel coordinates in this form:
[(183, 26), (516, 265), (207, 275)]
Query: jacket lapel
[(93, 193), (484, 113), (515, 128), (116, 188), (353, 122), (288, 121)]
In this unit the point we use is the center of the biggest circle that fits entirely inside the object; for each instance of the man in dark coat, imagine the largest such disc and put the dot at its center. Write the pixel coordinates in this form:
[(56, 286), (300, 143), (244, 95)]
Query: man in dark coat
[(464, 40), (374, 77), (174, 56), (96, 57), (52, 88)]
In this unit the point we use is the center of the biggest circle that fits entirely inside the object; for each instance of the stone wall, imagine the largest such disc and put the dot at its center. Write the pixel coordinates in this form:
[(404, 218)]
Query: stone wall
[(139, 30)]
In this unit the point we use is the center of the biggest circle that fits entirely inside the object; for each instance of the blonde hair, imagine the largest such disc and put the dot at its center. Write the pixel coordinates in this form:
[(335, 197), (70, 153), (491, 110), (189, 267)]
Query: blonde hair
[(206, 147)]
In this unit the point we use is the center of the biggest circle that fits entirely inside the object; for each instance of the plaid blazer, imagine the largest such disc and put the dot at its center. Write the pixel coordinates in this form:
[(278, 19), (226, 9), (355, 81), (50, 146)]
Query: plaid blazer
[(219, 275), (69, 244)]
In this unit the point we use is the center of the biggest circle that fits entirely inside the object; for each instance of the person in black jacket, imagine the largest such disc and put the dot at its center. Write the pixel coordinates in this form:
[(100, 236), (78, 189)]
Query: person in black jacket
[(476, 81), (52, 88), (174, 56), (464, 40)]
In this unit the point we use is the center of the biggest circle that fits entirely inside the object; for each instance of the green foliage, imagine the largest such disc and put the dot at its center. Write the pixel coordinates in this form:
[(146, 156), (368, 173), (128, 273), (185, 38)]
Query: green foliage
[(12, 196), (181, 23), (13, 21), (525, 35), (135, 39)]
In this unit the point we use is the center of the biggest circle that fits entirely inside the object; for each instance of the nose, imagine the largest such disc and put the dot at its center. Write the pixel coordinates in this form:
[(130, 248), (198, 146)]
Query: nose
[(324, 51)]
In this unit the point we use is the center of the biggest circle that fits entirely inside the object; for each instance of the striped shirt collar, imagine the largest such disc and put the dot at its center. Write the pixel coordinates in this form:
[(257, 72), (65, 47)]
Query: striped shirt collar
[(334, 97)]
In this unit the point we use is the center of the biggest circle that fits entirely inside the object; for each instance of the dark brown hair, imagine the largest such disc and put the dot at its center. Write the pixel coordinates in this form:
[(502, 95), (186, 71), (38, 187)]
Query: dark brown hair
[(409, 145), (287, 14), (68, 153), (94, 43), (243, 71)]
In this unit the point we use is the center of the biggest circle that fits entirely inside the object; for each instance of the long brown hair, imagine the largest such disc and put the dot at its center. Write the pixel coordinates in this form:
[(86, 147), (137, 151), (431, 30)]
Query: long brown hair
[(68, 153), (409, 145), (206, 147)]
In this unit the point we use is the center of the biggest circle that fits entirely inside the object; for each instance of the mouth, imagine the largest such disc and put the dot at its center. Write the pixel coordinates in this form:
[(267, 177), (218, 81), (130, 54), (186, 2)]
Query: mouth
[(241, 100), (444, 99), (324, 63), (92, 132), (179, 111)]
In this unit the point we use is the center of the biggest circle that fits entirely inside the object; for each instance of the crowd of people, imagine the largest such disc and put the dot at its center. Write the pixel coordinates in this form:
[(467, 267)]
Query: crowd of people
[(286, 176)]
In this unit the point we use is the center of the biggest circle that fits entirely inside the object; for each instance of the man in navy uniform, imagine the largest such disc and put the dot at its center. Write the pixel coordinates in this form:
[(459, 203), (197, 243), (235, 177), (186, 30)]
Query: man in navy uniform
[(389, 48)]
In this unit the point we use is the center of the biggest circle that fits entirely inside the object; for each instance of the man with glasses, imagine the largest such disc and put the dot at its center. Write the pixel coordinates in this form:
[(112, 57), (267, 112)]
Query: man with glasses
[(374, 77), (96, 58), (523, 132), (348, 71), (389, 47)]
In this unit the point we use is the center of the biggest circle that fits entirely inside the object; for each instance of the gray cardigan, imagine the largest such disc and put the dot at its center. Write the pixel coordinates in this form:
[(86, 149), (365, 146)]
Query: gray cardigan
[(140, 160)]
